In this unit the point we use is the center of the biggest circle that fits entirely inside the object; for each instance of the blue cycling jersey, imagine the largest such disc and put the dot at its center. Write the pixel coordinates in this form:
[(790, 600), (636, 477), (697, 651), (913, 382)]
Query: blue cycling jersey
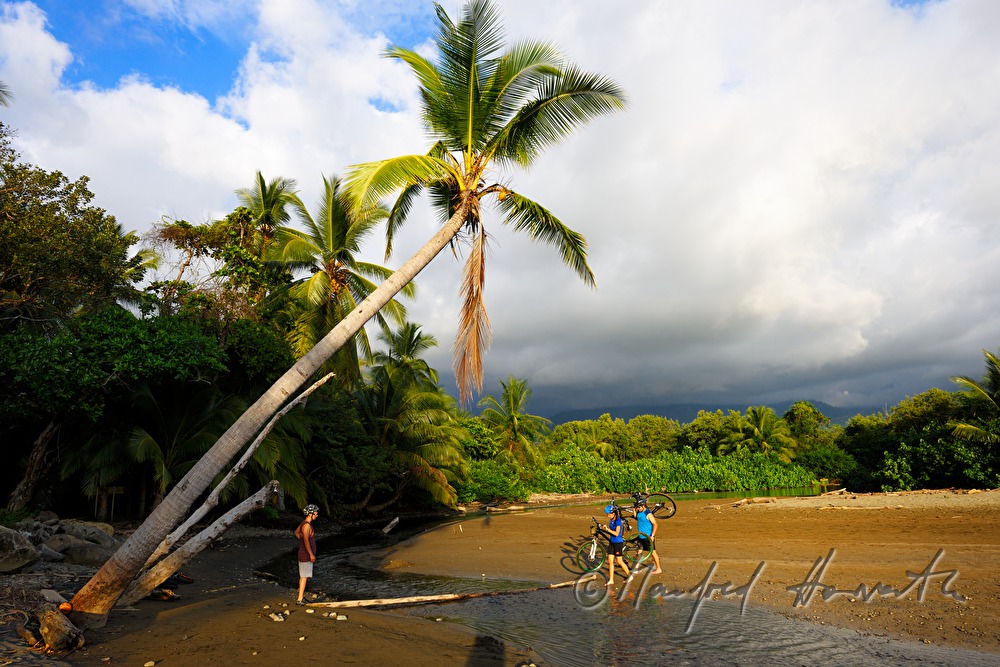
[(614, 525), (643, 524)]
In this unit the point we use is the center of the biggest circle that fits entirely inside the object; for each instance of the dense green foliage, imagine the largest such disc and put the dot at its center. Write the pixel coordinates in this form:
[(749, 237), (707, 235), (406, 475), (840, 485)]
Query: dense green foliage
[(573, 471), (58, 253), (106, 391)]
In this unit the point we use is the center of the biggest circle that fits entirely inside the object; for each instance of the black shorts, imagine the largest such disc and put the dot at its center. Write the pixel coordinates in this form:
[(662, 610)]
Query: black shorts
[(616, 548), (648, 543)]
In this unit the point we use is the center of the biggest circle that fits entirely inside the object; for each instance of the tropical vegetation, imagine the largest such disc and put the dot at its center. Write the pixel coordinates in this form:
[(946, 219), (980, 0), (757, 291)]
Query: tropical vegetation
[(134, 372)]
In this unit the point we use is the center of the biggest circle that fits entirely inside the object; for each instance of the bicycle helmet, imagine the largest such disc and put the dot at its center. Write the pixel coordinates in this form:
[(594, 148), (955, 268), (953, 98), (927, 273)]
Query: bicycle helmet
[(311, 509), (640, 502), (610, 509)]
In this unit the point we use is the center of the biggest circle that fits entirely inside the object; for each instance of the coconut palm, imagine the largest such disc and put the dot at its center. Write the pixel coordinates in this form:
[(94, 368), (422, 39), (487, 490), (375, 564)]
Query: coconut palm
[(268, 201), (983, 400), (335, 280), (487, 109), (761, 430), (515, 429), (404, 348), (417, 422), (6, 97)]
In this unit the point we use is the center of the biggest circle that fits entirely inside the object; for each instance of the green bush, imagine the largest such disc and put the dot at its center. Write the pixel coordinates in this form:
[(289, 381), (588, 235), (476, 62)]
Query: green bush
[(491, 481), (570, 470)]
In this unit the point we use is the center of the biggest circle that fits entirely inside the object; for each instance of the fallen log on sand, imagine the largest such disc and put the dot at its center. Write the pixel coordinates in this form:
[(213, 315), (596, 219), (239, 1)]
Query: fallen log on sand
[(444, 597)]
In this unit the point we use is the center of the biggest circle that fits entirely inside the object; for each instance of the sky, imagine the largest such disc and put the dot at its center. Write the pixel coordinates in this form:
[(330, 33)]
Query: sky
[(800, 202)]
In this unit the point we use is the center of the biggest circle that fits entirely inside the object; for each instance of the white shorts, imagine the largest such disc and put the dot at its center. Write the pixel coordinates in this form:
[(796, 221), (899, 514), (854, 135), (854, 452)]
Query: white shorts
[(305, 570)]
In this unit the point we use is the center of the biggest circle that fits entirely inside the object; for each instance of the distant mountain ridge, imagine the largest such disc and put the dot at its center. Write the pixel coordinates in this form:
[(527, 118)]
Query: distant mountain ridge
[(686, 412)]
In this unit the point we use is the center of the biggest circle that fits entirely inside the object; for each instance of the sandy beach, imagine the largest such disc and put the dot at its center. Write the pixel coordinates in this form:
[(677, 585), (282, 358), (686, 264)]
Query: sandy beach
[(945, 540)]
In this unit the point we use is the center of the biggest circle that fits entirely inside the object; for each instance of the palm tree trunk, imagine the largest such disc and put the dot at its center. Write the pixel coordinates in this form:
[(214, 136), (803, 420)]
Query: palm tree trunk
[(154, 576), (213, 498), (93, 602)]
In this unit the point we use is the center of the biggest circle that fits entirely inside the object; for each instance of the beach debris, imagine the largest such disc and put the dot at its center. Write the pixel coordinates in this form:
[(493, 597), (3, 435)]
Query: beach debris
[(163, 594), (444, 597), (341, 617), (744, 502), (267, 606), (302, 638), (149, 663), (277, 618), (310, 611), (58, 632), (52, 596), (392, 524)]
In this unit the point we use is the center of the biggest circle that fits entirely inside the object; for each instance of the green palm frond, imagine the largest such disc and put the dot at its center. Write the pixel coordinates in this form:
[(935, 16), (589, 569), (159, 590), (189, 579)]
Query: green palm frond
[(982, 404), (373, 181), (400, 210), (974, 433), (528, 216), (564, 103), (484, 107), (268, 201)]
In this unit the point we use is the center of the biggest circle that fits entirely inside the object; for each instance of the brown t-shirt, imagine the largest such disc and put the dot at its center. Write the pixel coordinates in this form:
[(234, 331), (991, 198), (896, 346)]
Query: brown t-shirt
[(303, 554)]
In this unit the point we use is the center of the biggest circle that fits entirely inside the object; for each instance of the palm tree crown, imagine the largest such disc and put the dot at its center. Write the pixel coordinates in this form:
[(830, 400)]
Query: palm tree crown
[(333, 279), (486, 108)]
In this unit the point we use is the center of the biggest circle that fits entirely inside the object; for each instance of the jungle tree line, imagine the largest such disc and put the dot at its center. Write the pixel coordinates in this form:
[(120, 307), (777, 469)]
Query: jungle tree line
[(936, 439)]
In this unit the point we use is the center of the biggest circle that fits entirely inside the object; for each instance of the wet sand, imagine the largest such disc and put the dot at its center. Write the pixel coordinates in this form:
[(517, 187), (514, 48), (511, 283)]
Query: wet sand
[(875, 539)]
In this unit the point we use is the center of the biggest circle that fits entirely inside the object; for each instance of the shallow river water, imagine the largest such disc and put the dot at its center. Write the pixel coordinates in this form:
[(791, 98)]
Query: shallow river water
[(581, 626)]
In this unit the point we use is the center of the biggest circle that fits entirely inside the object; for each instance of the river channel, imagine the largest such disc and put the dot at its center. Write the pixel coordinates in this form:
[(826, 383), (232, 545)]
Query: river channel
[(582, 627)]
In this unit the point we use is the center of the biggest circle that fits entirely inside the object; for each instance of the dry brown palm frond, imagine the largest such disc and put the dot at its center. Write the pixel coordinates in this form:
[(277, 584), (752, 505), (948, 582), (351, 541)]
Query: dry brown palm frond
[(474, 333)]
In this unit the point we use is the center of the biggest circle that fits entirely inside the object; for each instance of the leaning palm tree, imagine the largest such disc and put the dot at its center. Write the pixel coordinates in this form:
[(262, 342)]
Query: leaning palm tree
[(6, 97), (335, 280), (487, 109)]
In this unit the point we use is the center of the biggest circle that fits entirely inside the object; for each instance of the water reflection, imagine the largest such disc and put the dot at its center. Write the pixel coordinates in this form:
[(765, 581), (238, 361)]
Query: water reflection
[(617, 633)]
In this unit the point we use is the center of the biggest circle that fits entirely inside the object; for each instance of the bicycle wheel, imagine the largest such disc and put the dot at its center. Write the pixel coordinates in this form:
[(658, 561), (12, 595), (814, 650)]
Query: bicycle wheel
[(623, 503), (661, 505), (634, 550), (591, 555)]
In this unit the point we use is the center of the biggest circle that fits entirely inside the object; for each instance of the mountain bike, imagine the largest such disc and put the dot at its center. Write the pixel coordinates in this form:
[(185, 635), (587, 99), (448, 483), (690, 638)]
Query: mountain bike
[(660, 504), (592, 554)]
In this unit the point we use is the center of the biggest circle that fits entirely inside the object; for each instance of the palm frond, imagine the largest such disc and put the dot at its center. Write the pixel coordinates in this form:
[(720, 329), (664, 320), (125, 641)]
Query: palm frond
[(527, 216), (397, 215), (564, 103), (374, 181), (473, 336)]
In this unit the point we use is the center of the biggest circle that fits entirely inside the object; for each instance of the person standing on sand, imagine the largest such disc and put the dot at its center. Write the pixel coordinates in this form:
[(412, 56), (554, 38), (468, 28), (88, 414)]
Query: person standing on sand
[(646, 525), (617, 542), (307, 549)]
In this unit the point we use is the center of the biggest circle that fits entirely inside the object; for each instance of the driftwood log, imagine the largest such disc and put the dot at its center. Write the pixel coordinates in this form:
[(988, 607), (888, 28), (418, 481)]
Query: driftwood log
[(58, 632), (444, 597)]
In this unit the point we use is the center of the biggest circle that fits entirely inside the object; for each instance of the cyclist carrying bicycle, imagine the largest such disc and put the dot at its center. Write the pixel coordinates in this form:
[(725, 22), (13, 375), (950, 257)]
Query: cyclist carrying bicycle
[(647, 526), (617, 540)]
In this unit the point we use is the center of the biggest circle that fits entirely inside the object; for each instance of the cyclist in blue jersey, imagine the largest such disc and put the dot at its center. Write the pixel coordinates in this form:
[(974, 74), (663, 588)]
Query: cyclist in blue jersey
[(646, 525), (617, 540)]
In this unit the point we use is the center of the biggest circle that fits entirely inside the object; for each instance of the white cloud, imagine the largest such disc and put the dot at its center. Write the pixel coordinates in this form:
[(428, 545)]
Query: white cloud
[(798, 203)]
